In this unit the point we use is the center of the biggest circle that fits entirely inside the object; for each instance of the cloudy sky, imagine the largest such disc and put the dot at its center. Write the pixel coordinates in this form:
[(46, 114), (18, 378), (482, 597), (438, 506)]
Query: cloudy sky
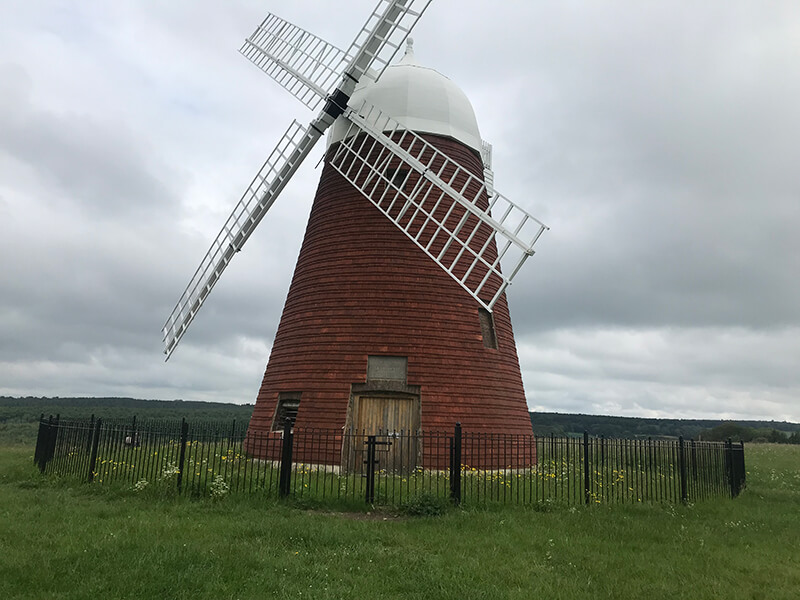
[(658, 140)]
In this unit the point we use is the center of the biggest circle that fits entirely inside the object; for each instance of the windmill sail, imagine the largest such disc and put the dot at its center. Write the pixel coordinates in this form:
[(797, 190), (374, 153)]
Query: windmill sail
[(305, 65), (309, 67), (315, 64), (442, 207), (254, 204), (383, 34)]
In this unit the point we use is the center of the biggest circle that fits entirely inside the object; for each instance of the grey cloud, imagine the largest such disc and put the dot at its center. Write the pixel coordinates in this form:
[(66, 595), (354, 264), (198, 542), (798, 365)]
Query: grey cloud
[(97, 164), (664, 168), (657, 140), (671, 371)]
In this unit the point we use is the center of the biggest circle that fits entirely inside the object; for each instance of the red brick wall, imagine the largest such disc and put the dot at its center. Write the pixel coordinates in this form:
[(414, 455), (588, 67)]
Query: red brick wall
[(360, 288)]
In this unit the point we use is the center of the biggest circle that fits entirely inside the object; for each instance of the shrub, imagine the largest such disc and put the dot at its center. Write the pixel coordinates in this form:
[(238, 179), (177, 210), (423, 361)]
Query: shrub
[(425, 505)]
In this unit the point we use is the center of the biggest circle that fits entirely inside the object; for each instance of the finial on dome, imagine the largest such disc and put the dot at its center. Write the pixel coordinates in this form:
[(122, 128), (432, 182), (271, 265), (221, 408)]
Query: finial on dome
[(408, 56), (409, 47)]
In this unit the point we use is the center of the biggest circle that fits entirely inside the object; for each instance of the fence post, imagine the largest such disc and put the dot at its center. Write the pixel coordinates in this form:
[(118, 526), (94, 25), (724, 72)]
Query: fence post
[(370, 492), (45, 447), (455, 466), (51, 442), (743, 478), (736, 472), (95, 444), (602, 452), (49, 450), (729, 465), (182, 455), (37, 454), (47, 435), (586, 479), (682, 466), (286, 460), (89, 437)]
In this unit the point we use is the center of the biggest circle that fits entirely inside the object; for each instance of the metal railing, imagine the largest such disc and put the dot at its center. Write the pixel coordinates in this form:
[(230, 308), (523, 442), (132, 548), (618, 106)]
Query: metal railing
[(389, 468)]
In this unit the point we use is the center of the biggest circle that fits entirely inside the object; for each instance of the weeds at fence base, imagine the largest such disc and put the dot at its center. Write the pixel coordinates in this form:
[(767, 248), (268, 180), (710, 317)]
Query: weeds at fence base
[(424, 474), (425, 505), (546, 506)]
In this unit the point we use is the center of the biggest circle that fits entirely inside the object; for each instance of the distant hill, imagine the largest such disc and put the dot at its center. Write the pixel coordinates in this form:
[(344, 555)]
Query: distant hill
[(30, 408), (545, 423), (18, 418)]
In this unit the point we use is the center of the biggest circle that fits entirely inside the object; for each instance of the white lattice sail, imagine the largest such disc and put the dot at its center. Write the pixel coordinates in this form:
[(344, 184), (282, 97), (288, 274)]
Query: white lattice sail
[(305, 65), (441, 206), (254, 204)]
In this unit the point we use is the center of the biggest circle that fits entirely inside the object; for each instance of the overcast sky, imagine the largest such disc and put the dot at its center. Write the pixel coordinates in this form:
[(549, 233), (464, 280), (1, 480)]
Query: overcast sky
[(658, 140)]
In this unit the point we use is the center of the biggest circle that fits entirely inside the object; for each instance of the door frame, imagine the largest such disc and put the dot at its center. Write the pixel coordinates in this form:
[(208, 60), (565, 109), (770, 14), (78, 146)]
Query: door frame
[(377, 389)]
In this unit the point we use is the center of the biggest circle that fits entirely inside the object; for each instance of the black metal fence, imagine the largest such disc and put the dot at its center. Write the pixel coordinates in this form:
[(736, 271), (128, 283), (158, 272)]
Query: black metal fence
[(214, 458)]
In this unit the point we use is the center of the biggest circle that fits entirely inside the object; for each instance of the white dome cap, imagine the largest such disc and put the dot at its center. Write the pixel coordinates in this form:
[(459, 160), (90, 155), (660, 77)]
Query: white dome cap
[(420, 99)]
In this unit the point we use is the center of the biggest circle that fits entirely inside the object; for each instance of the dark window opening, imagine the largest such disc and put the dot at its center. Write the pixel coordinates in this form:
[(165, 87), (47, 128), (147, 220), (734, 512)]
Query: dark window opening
[(487, 328), (397, 177), (288, 405)]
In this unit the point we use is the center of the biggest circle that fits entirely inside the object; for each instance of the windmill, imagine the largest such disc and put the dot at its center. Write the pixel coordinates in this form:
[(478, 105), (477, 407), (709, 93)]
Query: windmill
[(396, 317)]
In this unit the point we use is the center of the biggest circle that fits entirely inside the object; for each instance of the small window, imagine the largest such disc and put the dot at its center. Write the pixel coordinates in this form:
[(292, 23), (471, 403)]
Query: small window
[(393, 368), (288, 405), (397, 177), (487, 328)]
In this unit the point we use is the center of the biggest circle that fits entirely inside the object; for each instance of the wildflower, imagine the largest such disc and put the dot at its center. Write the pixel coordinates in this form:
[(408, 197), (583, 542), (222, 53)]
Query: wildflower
[(170, 470), (218, 487)]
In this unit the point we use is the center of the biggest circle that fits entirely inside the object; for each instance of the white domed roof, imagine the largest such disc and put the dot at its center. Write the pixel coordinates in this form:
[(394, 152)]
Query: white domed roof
[(421, 99)]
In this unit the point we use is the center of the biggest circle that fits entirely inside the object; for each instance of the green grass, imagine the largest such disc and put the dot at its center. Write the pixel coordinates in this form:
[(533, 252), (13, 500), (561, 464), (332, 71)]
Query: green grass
[(61, 539)]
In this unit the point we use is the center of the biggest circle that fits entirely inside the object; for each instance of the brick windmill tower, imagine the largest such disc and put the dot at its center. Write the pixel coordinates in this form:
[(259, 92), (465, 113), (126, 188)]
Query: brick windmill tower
[(396, 317)]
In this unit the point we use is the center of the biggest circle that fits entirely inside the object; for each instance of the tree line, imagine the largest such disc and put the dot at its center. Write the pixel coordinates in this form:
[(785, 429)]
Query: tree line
[(29, 409), (22, 413), (562, 424)]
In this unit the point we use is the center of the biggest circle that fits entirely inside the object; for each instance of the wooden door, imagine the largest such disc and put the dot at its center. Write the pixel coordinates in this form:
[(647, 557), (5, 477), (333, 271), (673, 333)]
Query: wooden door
[(392, 419)]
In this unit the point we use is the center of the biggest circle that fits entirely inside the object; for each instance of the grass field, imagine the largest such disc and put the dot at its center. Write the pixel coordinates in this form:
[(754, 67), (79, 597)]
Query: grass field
[(59, 539)]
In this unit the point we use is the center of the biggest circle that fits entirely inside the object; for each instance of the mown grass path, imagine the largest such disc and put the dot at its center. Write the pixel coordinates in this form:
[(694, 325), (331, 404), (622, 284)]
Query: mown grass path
[(66, 540)]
